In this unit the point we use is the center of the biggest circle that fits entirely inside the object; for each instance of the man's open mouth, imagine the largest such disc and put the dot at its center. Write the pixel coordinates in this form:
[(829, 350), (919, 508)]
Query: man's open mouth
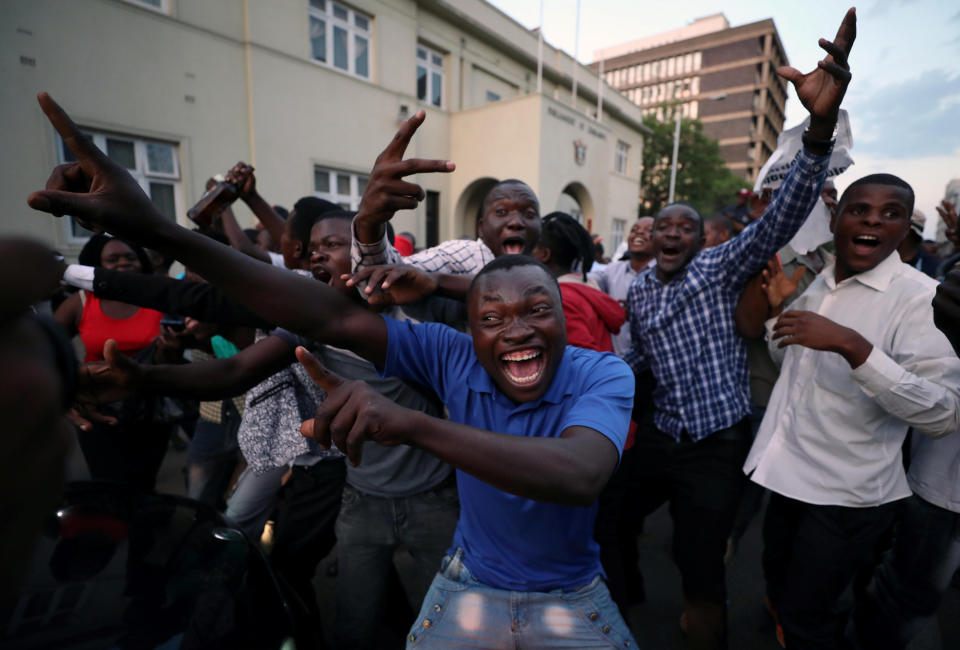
[(514, 245), (523, 366), (321, 274), (669, 252), (865, 244), (638, 241)]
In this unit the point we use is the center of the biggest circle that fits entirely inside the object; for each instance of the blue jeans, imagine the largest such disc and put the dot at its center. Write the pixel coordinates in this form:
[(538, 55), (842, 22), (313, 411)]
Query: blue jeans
[(910, 582), (460, 611), (250, 505), (369, 530)]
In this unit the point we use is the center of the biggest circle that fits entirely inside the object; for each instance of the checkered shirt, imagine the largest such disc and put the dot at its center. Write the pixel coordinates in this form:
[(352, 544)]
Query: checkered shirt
[(684, 330), (456, 256)]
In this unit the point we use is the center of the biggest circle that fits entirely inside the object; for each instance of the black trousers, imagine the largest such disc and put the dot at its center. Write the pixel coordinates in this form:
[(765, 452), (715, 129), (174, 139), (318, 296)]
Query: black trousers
[(304, 530), (811, 554), (702, 481), (129, 452)]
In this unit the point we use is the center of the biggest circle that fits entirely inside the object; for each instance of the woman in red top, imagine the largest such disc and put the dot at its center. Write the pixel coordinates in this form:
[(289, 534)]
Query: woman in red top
[(130, 451)]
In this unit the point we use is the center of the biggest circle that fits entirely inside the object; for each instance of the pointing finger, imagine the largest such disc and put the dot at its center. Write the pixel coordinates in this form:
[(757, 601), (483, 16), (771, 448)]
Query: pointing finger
[(401, 139), (847, 32), (81, 146), (322, 377)]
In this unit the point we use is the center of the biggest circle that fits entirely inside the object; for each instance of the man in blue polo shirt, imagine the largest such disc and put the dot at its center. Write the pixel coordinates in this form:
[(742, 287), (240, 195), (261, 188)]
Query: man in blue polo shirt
[(536, 428)]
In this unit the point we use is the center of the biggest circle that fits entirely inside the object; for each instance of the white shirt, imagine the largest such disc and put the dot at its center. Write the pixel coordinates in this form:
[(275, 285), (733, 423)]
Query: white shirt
[(276, 259), (455, 256), (832, 435), (935, 470)]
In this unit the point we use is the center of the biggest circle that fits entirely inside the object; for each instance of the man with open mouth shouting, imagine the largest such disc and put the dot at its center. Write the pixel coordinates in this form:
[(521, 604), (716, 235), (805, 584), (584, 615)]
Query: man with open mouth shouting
[(692, 446), (536, 428), (509, 222)]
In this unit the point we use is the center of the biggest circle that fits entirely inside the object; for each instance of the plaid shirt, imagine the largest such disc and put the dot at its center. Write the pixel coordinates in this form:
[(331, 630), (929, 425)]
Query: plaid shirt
[(456, 256), (684, 330)]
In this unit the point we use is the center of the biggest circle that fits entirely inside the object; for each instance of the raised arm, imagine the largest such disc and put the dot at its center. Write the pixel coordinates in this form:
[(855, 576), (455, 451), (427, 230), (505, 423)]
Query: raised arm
[(102, 194), (262, 210), (238, 239), (571, 469), (821, 92)]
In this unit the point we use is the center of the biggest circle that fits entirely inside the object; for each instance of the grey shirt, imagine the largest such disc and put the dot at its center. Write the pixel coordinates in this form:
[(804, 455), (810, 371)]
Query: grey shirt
[(385, 471)]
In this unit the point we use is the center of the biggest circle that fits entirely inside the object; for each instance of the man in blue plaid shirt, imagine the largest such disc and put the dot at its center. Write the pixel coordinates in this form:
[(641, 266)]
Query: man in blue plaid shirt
[(691, 447)]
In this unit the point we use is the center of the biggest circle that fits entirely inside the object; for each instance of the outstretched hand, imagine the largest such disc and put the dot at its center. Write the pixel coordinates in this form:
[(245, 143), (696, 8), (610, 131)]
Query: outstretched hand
[(948, 213), (352, 413), (94, 189), (777, 286), (399, 284), (116, 378), (821, 90), (386, 190)]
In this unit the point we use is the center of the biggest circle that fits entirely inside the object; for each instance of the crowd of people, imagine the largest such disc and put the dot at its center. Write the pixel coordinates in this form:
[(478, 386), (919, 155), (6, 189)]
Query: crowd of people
[(507, 411)]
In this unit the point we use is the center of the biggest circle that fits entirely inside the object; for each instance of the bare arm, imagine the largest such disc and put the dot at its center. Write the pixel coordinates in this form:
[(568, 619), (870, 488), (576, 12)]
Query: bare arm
[(242, 175), (238, 238), (105, 196), (751, 312), (68, 314), (121, 377)]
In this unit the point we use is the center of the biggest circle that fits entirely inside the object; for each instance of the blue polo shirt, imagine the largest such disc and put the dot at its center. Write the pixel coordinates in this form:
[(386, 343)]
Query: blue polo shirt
[(511, 542)]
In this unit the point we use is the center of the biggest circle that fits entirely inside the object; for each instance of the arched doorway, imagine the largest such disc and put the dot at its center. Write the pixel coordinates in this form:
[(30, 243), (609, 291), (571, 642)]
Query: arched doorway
[(468, 206), (575, 200)]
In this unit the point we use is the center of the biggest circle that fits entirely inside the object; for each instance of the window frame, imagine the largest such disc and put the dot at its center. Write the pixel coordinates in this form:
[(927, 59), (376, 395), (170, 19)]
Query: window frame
[(621, 157), (140, 173), (348, 24), (618, 232), (163, 9), (333, 195), (431, 69)]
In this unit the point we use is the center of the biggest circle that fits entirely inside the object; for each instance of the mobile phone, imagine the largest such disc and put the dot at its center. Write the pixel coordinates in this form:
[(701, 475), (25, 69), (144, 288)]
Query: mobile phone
[(175, 323)]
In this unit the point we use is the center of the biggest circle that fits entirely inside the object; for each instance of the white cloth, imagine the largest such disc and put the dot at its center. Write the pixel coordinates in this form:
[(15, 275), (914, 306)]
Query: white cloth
[(78, 276), (832, 435), (276, 259)]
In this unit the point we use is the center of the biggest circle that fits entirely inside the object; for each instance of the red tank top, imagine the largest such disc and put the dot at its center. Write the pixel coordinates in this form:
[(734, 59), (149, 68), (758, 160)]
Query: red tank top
[(131, 334)]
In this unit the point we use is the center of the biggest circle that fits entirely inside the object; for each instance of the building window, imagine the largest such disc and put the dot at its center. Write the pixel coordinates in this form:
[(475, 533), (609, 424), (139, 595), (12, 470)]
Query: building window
[(340, 37), (153, 164), (617, 229), (492, 96), (429, 76), (160, 6), (343, 188), (621, 157)]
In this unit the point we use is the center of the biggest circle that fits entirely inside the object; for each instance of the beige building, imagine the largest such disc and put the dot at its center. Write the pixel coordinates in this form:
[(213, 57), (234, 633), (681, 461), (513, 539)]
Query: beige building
[(725, 76), (309, 92)]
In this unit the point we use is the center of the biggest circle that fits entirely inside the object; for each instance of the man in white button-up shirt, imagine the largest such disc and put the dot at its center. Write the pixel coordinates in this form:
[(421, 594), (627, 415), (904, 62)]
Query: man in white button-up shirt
[(861, 362)]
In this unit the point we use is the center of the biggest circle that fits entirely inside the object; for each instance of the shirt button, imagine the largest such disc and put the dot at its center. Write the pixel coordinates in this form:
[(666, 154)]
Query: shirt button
[(594, 616), (606, 629)]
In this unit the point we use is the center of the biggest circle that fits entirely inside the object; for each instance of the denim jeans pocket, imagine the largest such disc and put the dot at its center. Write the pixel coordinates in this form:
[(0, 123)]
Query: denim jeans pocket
[(438, 600), (600, 614)]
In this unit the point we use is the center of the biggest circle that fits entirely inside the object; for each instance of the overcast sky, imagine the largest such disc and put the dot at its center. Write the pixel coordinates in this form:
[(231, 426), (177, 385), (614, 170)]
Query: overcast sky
[(904, 100)]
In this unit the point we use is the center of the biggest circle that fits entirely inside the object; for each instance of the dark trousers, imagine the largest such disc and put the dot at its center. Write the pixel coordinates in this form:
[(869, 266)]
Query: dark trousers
[(811, 554), (610, 529), (910, 582), (129, 452), (702, 481), (304, 530)]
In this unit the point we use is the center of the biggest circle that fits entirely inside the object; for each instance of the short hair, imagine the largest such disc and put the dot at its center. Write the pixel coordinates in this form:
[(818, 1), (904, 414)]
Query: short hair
[(507, 262), (508, 181), (686, 205), (723, 221), (281, 211), (567, 241), (880, 179), (306, 211), (337, 214), (92, 251)]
